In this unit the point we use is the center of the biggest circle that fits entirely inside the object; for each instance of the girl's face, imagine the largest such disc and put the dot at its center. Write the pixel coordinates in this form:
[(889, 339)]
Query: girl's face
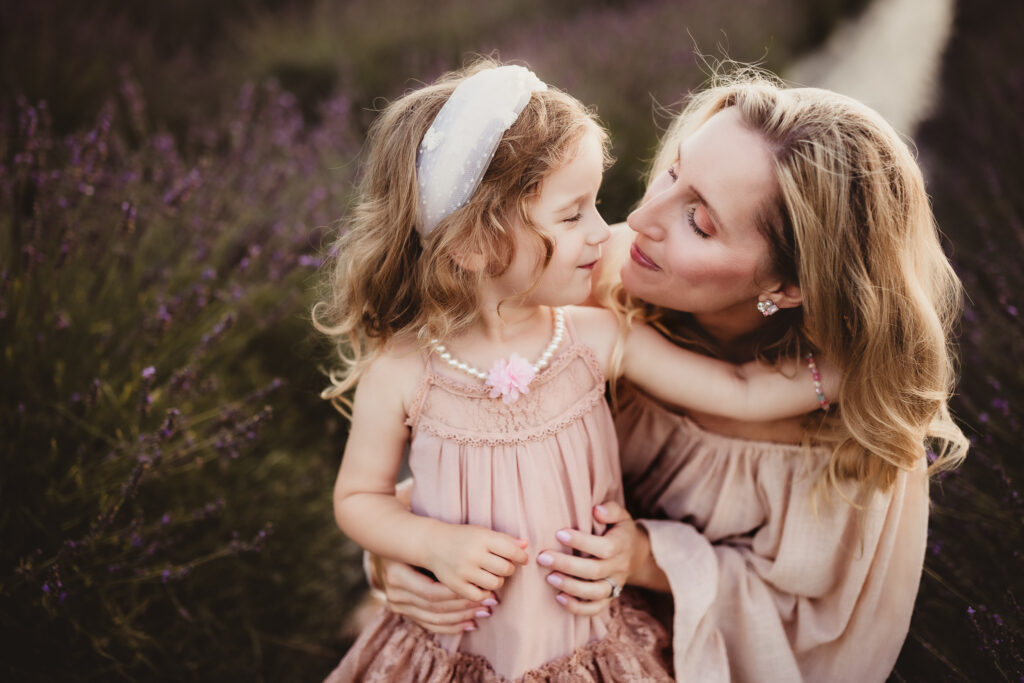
[(697, 247), (566, 210)]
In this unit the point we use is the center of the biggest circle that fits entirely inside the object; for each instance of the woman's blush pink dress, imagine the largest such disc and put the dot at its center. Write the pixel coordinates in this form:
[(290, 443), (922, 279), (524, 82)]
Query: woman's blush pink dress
[(765, 586)]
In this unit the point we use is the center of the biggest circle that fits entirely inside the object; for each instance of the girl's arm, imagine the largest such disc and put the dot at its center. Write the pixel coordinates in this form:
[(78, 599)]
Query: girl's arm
[(752, 392), (470, 560)]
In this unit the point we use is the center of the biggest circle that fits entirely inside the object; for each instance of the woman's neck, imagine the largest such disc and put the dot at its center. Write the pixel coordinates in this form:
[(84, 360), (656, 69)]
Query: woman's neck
[(734, 333)]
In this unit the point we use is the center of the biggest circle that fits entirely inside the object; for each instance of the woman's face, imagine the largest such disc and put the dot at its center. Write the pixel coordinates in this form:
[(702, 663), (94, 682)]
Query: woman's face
[(697, 247)]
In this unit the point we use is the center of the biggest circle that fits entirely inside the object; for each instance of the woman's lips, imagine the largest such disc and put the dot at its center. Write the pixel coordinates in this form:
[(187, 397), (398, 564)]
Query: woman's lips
[(641, 259)]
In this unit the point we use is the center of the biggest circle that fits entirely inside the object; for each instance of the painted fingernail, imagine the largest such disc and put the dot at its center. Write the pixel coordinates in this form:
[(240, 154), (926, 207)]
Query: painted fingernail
[(563, 536), (470, 627), (555, 580), (482, 613), (562, 600), (545, 560), (489, 602), (602, 509)]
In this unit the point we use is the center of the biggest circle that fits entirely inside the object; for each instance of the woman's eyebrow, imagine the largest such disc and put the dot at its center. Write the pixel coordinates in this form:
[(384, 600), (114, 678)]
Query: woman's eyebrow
[(707, 205)]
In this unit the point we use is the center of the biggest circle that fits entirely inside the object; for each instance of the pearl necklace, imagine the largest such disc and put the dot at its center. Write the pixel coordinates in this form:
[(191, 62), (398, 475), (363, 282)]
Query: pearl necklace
[(556, 339)]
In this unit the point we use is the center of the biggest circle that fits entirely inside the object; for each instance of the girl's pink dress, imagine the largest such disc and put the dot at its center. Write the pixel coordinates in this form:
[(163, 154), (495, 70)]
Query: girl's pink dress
[(527, 469)]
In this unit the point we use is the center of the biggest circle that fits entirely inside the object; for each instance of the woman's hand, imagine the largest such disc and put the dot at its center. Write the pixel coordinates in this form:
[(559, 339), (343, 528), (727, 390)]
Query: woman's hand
[(616, 555), (427, 602)]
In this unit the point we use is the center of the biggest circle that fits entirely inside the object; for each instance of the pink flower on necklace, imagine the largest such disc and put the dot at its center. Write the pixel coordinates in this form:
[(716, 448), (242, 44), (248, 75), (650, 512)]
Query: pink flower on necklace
[(509, 378)]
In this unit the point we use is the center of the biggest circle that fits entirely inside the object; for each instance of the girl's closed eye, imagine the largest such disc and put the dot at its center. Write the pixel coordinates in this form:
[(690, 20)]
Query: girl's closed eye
[(573, 219)]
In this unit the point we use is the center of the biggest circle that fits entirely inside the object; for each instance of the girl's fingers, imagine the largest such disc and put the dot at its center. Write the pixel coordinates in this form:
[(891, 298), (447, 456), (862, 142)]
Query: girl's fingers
[(498, 566), (486, 581), (512, 549), (582, 608), (470, 591)]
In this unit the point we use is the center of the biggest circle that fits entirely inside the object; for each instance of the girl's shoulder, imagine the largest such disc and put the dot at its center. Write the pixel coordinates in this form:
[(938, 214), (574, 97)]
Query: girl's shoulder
[(399, 367), (597, 328)]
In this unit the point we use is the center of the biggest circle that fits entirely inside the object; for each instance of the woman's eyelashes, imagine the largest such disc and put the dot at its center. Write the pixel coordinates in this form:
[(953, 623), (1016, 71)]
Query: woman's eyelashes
[(691, 213), (690, 218)]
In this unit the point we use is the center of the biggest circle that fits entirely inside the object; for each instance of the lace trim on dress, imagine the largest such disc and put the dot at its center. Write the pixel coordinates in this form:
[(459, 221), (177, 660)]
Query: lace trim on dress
[(396, 650), (432, 378), (593, 397)]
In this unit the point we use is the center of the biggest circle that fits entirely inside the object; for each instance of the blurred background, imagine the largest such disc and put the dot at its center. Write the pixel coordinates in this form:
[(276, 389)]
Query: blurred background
[(170, 176)]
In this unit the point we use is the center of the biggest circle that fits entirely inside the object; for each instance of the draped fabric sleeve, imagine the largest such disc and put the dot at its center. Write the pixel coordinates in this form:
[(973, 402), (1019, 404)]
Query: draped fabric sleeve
[(766, 584)]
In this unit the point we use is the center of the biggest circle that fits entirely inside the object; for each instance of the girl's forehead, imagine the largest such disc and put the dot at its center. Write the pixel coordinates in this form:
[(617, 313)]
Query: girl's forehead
[(580, 174)]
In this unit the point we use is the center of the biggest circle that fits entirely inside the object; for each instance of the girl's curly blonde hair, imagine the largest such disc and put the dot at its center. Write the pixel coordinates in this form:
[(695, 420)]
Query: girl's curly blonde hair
[(387, 283)]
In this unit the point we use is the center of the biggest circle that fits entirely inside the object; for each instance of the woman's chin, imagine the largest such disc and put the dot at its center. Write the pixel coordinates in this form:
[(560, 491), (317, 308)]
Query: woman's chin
[(638, 281)]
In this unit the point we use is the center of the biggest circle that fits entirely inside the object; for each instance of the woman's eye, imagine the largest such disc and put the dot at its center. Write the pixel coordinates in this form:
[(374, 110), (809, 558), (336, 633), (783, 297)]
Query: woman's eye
[(673, 173), (693, 223)]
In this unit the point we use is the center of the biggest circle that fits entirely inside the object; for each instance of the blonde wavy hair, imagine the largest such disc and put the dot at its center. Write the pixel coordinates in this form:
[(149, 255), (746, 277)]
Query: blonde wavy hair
[(387, 283), (852, 226)]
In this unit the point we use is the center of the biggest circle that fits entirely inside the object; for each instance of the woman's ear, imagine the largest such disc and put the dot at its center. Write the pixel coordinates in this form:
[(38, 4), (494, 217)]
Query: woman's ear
[(787, 296)]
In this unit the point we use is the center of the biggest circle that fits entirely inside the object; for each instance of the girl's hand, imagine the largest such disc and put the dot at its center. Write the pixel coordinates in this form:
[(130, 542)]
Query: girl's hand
[(615, 555), (473, 560), (427, 602)]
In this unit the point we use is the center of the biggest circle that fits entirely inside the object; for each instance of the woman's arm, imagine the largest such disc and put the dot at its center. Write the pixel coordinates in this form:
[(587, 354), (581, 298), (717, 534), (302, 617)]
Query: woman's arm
[(752, 391), (470, 560), (801, 599)]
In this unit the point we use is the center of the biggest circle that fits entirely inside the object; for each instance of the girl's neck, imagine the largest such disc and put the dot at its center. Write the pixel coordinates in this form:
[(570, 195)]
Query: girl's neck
[(500, 326)]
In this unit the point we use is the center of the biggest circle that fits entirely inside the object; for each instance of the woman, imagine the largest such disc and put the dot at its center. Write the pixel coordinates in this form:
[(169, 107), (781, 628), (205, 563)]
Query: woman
[(776, 221)]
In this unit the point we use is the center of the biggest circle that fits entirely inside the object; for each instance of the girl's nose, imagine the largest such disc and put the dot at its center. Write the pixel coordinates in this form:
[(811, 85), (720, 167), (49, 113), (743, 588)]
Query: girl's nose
[(600, 232)]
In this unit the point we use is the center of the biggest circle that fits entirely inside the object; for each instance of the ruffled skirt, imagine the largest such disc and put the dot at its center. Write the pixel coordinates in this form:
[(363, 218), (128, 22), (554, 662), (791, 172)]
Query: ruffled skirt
[(393, 649)]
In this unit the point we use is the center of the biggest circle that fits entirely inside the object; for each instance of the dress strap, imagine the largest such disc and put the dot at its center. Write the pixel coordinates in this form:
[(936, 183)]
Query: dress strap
[(416, 407)]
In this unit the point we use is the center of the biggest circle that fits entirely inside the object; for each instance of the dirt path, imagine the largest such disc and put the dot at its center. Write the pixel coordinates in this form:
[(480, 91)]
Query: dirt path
[(889, 58)]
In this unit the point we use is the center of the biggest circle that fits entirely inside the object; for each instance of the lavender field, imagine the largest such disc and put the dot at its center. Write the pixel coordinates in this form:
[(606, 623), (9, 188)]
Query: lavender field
[(170, 177)]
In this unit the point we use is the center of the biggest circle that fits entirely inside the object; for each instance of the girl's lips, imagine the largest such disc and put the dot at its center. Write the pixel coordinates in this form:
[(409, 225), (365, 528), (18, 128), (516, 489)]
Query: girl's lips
[(589, 266), (641, 259)]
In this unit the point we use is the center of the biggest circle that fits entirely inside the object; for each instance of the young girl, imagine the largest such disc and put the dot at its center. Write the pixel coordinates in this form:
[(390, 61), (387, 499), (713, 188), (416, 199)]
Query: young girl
[(475, 232)]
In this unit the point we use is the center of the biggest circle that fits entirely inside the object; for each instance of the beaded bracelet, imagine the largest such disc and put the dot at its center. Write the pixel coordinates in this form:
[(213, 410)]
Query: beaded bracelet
[(816, 376)]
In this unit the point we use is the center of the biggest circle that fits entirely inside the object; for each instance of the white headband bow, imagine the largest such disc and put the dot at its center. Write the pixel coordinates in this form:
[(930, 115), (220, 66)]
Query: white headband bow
[(460, 143)]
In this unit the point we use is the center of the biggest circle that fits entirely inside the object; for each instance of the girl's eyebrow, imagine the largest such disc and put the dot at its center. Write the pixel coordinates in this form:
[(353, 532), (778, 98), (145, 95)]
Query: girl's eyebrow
[(707, 205), (572, 203)]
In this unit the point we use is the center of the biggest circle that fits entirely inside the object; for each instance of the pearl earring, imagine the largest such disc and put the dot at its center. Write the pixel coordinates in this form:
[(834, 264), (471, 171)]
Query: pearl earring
[(767, 307)]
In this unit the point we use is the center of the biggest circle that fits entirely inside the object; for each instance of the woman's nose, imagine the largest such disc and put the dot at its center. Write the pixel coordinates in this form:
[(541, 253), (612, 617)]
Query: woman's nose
[(647, 219)]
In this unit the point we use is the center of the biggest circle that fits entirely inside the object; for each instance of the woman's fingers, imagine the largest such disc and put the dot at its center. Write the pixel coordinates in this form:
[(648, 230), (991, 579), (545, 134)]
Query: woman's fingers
[(610, 513), (398, 597), (584, 590), (454, 622), (398, 575), (580, 567), (582, 608), (597, 546)]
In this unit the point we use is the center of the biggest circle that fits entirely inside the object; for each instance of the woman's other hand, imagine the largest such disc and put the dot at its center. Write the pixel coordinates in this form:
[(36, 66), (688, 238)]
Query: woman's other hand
[(425, 601), (585, 583)]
